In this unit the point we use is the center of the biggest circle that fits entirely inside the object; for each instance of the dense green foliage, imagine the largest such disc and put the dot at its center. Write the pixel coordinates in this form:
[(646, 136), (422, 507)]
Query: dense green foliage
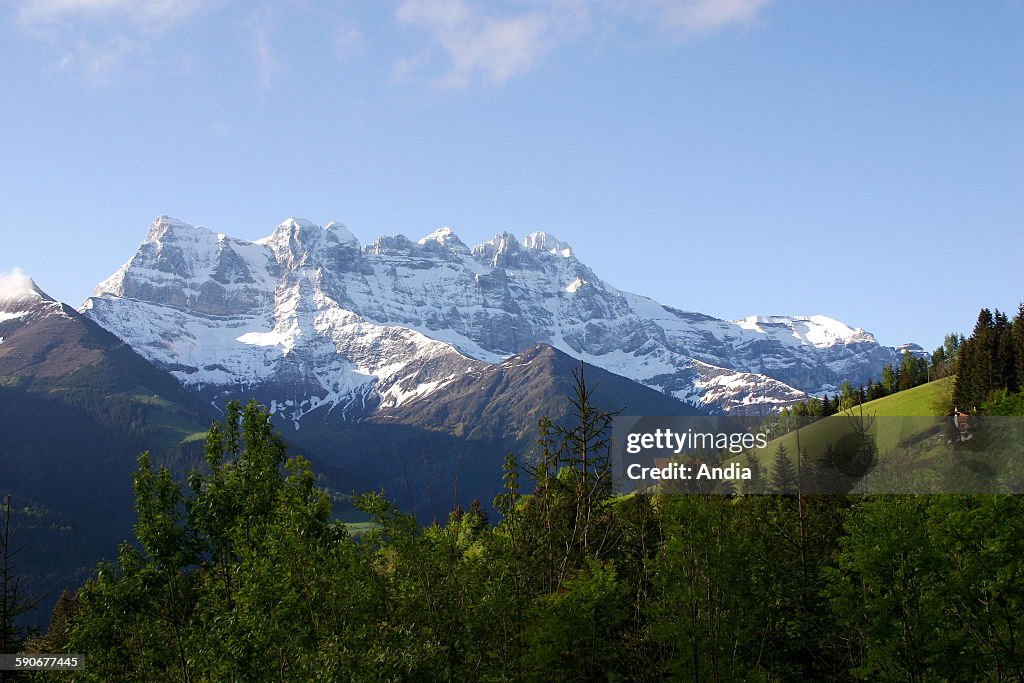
[(991, 359), (1003, 403), (244, 576)]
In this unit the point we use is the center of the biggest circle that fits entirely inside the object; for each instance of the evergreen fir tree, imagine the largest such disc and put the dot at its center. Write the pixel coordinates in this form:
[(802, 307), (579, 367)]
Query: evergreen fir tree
[(1006, 360), (848, 397), (755, 484), (814, 407), (827, 470), (1017, 335), (61, 622), (783, 472), (890, 380), (908, 368), (976, 366)]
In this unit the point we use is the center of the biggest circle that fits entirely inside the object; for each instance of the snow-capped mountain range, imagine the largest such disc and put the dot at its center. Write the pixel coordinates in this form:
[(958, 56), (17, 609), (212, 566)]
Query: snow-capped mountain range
[(308, 317)]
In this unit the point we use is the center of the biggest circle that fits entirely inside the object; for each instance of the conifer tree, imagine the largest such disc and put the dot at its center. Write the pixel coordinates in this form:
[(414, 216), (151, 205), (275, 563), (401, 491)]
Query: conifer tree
[(890, 380), (827, 460), (755, 484), (848, 396), (784, 476), (1017, 335), (61, 622), (978, 374), (1005, 359)]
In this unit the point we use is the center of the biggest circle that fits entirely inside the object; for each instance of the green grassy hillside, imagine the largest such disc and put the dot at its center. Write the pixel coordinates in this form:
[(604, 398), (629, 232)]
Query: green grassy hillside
[(931, 399), (905, 418)]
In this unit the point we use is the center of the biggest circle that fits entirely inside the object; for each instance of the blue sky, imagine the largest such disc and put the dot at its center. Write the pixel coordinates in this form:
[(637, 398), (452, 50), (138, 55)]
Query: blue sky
[(857, 159)]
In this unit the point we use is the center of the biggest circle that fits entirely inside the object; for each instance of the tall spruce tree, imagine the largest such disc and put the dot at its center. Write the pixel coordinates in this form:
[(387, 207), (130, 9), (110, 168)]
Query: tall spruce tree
[(784, 475), (890, 380), (1005, 371), (1017, 335)]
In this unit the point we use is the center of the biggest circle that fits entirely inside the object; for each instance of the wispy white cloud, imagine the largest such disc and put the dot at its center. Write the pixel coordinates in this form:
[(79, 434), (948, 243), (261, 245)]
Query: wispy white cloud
[(147, 15), (104, 39), (267, 65), (467, 41), (100, 38), (257, 30), (692, 18), (99, 61), (347, 40), (480, 45)]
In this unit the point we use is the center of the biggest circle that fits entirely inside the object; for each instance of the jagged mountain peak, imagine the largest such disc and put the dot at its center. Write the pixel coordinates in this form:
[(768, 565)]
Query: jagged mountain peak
[(816, 330), (297, 242), (341, 231), (505, 251), (398, 245), (293, 222), (503, 241), (305, 311), (165, 228), (441, 235), (443, 238), (302, 229), (22, 301), (914, 350), (544, 241), (17, 289), (501, 251)]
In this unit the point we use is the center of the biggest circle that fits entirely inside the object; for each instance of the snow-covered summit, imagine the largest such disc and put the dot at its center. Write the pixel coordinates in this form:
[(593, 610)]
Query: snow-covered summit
[(500, 251), (817, 330), (914, 350), (309, 311), (23, 302), (443, 235), (16, 288), (162, 225), (542, 241), (443, 241)]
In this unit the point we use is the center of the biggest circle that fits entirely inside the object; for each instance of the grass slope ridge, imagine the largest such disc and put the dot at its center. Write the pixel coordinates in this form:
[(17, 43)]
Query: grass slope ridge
[(931, 399), (905, 417)]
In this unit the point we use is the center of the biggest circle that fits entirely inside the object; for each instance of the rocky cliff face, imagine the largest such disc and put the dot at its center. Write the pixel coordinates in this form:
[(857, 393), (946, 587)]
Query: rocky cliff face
[(308, 316)]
